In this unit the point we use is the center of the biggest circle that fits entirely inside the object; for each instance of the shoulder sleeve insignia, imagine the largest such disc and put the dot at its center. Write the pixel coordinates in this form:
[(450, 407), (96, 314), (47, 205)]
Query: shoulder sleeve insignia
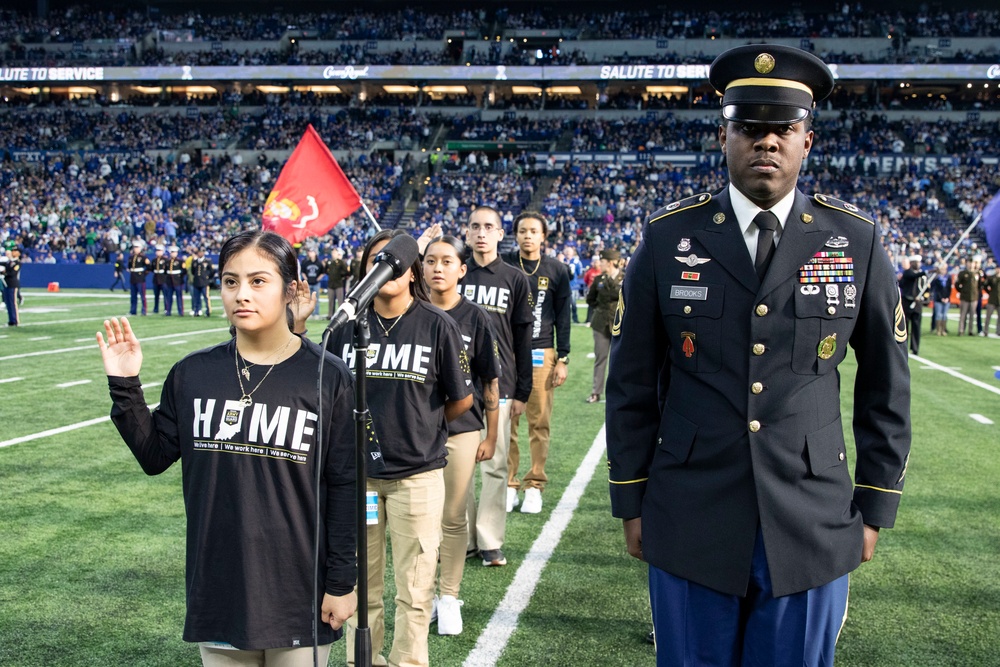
[(899, 327), (846, 207), (616, 326), (681, 205)]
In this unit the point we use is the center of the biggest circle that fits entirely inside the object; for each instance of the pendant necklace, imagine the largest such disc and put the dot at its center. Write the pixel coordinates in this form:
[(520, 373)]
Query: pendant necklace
[(246, 399), (385, 331), (534, 271)]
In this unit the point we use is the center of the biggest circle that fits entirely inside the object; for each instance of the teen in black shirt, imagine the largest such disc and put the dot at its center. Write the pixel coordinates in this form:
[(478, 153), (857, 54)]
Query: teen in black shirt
[(550, 305), (417, 382), (244, 422), (504, 292), (468, 442)]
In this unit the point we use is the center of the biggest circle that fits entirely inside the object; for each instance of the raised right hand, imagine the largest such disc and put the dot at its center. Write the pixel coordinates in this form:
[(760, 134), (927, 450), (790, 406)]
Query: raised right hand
[(121, 353)]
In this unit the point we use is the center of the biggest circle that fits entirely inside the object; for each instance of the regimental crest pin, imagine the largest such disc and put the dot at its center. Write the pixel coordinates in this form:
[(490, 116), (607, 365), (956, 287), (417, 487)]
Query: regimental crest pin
[(684, 245), (827, 347), (837, 242), (692, 260)]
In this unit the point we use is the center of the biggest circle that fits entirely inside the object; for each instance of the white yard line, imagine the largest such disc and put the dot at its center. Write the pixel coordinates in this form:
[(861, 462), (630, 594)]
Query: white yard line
[(494, 637), (955, 374), (61, 429), (5, 380), (981, 419), (94, 345), (41, 338), (73, 384)]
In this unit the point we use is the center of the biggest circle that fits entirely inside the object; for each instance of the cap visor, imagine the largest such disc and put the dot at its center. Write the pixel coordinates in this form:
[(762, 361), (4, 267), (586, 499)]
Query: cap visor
[(767, 114)]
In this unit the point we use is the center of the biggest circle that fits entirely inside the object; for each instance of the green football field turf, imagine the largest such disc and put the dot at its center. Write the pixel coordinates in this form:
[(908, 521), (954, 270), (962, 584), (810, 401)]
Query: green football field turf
[(91, 550)]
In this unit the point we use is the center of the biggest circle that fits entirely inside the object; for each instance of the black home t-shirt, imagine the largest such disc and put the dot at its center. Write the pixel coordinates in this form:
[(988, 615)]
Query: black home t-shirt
[(503, 292), (550, 299), (249, 488), (480, 342), (412, 371)]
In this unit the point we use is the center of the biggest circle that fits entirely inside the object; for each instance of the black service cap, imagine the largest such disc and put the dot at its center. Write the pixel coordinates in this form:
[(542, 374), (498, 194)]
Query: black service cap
[(769, 83)]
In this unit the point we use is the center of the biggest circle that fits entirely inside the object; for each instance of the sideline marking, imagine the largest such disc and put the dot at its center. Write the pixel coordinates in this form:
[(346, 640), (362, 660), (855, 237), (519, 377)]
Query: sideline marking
[(177, 342), (41, 338), (981, 419), (494, 637), (10, 380), (94, 346), (945, 369), (73, 384), (61, 429)]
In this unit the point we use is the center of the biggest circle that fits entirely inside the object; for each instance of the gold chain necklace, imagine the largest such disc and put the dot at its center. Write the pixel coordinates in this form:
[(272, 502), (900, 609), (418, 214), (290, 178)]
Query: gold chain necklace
[(521, 260), (245, 398), (385, 332)]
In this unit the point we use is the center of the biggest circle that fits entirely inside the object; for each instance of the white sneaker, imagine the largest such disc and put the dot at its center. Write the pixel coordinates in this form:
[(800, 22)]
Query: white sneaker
[(449, 615), (511, 499), (532, 501), (434, 608)]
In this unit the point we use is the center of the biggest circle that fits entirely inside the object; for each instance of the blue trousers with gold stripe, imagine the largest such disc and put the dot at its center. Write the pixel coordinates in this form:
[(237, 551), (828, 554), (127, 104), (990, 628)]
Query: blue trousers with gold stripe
[(696, 626)]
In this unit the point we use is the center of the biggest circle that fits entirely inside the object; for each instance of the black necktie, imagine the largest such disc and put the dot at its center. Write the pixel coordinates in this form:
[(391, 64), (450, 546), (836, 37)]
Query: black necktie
[(766, 223)]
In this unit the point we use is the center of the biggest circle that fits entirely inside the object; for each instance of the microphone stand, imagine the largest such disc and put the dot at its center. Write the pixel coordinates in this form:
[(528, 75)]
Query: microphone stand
[(363, 633)]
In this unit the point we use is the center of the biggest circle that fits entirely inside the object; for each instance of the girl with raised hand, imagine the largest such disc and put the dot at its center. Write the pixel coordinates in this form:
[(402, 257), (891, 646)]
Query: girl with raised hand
[(245, 422)]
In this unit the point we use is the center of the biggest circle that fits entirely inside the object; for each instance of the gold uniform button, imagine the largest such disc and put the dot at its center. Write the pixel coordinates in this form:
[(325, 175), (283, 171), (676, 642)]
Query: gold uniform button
[(758, 349), (831, 310), (757, 387), (754, 426), (687, 310), (761, 310), (841, 456)]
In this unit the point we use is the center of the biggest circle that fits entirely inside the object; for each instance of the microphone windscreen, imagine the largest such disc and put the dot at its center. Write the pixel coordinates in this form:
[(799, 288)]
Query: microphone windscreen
[(404, 251)]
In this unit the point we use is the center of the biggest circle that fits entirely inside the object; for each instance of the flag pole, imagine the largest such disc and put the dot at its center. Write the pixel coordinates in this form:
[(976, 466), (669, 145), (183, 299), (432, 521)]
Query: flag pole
[(378, 228), (926, 280)]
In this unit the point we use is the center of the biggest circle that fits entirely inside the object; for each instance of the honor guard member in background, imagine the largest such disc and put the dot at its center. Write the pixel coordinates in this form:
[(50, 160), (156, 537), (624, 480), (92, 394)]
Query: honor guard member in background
[(313, 268), (175, 281), (726, 448), (550, 300), (159, 276), (913, 291), (967, 286), (602, 299), (992, 287), (337, 272), (138, 268), (12, 285), (201, 277), (504, 292), (120, 267)]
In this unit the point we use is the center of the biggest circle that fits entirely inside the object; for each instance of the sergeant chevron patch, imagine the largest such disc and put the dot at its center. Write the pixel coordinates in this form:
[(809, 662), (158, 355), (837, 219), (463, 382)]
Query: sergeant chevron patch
[(900, 324)]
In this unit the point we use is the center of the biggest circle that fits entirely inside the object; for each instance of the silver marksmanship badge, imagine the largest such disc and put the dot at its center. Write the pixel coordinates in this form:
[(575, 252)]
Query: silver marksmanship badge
[(837, 242), (692, 260), (809, 290), (833, 294), (850, 294), (684, 245)]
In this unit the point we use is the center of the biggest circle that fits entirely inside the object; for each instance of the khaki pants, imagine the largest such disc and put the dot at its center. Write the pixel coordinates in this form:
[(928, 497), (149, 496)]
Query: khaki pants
[(490, 516), (990, 309), (966, 315), (539, 413), (272, 657), (458, 477), (602, 346), (411, 509)]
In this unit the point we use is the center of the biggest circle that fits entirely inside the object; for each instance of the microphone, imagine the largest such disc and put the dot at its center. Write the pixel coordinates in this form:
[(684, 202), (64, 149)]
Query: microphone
[(396, 257)]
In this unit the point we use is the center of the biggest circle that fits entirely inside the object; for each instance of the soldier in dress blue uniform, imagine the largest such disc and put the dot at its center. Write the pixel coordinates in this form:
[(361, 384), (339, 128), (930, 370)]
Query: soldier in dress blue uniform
[(726, 449)]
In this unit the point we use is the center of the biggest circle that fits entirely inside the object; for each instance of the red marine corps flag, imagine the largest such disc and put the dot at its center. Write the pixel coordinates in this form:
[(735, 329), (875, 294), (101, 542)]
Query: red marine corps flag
[(311, 195)]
